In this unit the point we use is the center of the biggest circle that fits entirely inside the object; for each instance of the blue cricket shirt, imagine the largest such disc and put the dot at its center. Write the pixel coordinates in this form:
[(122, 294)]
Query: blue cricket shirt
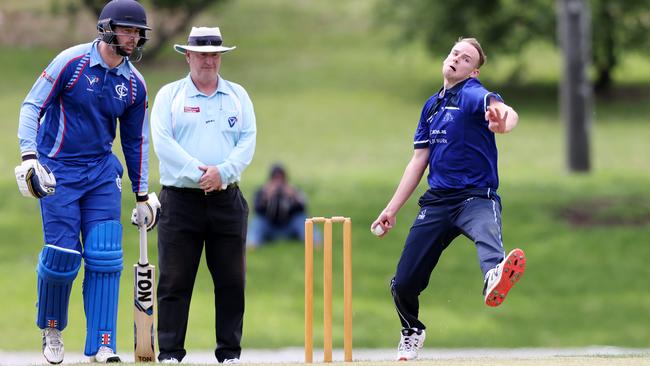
[(70, 114), (463, 151)]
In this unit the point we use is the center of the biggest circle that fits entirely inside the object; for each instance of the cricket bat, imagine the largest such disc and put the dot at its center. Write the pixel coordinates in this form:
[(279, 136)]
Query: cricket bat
[(144, 299)]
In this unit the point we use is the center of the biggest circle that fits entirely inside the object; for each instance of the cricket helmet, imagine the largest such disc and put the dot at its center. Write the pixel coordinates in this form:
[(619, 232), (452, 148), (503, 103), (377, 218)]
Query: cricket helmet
[(122, 13)]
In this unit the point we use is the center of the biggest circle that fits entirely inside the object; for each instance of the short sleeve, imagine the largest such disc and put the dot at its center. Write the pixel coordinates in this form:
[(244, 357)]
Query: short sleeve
[(421, 137)]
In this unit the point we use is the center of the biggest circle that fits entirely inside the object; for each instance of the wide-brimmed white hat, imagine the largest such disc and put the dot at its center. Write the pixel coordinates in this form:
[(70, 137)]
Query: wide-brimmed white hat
[(204, 39)]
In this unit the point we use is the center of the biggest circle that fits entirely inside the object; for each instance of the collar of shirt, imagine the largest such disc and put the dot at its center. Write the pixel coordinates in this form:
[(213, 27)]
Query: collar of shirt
[(454, 89), (192, 91), (96, 59)]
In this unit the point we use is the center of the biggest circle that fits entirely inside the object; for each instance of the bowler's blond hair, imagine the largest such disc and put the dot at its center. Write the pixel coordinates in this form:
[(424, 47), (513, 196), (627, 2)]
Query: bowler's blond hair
[(475, 44)]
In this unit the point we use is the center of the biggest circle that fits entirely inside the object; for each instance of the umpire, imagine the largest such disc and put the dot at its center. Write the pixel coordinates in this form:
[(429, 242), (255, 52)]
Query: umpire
[(204, 136)]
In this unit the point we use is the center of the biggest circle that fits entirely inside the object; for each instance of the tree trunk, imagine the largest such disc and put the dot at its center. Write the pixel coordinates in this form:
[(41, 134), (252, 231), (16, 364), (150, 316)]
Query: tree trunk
[(603, 83), (605, 56), (575, 87), (180, 26)]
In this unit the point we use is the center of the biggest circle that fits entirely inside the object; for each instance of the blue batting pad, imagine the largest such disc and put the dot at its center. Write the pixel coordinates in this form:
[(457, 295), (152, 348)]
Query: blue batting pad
[(56, 269), (103, 265)]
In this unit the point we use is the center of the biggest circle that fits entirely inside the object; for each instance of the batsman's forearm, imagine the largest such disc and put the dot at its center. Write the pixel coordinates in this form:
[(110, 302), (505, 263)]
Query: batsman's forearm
[(28, 127)]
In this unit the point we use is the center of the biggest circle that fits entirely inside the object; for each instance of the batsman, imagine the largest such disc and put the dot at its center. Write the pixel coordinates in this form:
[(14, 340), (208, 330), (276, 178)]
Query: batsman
[(67, 125)]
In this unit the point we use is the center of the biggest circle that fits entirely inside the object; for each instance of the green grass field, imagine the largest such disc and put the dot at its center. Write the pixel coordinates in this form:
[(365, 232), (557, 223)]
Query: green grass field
[(563, 361), (552, 361), (338, 104), (560, 361)]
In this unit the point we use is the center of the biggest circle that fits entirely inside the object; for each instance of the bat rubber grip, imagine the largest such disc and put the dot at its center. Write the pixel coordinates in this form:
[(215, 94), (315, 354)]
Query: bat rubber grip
[(144, 261)]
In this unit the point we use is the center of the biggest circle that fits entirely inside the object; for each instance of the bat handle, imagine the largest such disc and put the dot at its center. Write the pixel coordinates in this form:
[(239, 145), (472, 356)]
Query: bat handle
[(143, 246)]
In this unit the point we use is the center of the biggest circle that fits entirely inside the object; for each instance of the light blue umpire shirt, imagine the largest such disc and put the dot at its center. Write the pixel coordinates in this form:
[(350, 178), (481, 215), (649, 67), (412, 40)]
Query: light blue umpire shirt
[(190, 128)]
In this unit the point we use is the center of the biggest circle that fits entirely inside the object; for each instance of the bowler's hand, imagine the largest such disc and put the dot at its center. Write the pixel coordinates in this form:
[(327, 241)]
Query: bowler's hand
[(385, 221), (34, 180), (211, 179), (496, 119), (146, 212)]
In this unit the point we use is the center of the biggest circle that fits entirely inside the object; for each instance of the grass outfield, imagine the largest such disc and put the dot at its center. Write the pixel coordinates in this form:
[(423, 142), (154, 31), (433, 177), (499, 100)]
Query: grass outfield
[(560, 361), (442, 357), (338, 104), (497, 361)]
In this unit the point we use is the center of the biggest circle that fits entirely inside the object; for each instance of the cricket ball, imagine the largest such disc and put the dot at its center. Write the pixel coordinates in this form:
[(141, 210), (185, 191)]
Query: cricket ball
[(377, 230)]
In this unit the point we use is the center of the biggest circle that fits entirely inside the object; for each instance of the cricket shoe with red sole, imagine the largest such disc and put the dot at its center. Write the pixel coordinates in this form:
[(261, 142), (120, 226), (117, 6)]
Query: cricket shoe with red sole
[(500, 279)]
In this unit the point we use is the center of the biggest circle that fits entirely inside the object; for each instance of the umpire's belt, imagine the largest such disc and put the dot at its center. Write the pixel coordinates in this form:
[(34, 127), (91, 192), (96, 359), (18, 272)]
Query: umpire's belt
[(199, 191)]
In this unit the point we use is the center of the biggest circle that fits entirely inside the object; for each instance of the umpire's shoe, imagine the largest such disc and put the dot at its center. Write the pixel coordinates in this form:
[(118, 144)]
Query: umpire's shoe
[(500, 279), (53, 345)]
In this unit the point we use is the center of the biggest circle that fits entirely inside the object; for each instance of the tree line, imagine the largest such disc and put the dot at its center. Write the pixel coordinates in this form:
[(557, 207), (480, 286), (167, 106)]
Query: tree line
[(507, 26), (504, 26)]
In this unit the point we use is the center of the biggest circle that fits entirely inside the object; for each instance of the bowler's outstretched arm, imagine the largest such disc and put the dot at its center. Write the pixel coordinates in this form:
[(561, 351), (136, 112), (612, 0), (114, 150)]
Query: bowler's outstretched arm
[(410, 180)]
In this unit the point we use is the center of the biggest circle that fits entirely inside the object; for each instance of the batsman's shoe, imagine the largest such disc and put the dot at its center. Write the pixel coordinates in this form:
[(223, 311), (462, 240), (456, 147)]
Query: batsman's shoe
[(500, 279), (106, 355), (170, 360), (53, 345), (412, 339), (231, 361)]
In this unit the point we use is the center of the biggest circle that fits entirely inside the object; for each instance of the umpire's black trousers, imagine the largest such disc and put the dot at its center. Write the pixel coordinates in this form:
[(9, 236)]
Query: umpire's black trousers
[(189, 220)]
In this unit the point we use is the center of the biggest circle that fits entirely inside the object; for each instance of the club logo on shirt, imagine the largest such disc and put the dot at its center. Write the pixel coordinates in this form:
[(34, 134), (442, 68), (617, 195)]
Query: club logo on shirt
[(92, 80), (121, 91), (232, 121), (448, 117), (187, 109)]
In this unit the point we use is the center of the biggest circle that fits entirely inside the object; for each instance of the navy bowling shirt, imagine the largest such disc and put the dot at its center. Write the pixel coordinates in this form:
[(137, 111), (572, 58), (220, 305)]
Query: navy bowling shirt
[(462, 150), (71, 113)]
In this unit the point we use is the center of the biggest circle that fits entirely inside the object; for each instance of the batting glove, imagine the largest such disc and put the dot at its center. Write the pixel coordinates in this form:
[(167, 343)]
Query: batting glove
[(34, 180), (146, 211)]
